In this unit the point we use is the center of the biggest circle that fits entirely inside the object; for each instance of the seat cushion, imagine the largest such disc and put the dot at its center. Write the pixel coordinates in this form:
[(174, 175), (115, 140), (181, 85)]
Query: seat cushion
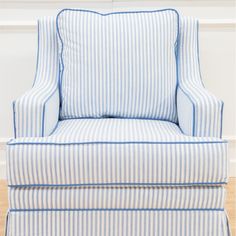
[(120, 64), (196, 197), (116, 152)]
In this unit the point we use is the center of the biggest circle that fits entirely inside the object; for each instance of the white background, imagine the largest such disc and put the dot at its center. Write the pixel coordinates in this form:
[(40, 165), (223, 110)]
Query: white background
[(18, 48)]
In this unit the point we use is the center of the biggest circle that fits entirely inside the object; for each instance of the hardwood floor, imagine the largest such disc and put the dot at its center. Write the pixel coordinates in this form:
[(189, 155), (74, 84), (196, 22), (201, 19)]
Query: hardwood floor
[(230, 204), (3, 205)]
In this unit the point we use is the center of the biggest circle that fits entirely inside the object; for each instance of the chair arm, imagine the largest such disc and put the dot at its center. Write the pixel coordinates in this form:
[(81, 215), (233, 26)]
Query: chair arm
[(199, 112), (36, 112)]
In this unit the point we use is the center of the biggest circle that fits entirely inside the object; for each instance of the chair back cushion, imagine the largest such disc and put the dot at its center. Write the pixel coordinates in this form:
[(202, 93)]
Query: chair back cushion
[(120, 64)]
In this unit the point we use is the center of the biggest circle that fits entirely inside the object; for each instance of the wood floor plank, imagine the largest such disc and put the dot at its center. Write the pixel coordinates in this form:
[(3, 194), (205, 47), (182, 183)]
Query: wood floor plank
[(230, 204), (3, 205)]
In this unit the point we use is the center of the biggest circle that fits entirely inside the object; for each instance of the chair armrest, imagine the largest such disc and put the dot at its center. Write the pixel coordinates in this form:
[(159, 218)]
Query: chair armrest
[(36, 112), (199, 112)]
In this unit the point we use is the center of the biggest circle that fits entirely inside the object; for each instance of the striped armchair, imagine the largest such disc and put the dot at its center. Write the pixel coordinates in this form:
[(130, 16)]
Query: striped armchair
[(118, 135)]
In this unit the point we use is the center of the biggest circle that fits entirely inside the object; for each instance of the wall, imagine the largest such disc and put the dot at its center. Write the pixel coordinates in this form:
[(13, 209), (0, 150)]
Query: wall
[(18, 43)]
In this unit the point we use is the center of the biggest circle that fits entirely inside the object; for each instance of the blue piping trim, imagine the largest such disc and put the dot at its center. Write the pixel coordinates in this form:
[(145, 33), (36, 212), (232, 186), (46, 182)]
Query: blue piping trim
[(59, 82), (177, 47), (114, 13), (221, 125), (194, 112), (117, 12), (118, 142), (37, 62), (119, 209), (14, 117), (116, 184)]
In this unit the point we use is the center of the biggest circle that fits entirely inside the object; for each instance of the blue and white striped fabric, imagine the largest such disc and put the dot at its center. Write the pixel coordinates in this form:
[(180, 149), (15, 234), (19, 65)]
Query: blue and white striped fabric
[(200, 113), (36, 112), (210, 198), (118, 64), (117, 176), (118, 223), (116, 152)]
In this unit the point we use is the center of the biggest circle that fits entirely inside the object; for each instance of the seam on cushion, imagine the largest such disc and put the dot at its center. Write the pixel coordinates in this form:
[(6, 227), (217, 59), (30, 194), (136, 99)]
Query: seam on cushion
[(117, 117), (117, 184), (97, 188), (113, 13), (119, 209), (109, 142)]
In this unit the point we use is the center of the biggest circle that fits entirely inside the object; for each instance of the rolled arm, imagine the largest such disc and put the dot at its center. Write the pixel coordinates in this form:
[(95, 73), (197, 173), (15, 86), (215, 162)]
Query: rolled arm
[(36, 112), (200, 113)]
